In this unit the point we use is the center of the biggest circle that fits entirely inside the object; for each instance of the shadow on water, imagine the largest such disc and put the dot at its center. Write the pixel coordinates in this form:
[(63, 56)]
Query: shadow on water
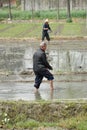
[(17, 77)]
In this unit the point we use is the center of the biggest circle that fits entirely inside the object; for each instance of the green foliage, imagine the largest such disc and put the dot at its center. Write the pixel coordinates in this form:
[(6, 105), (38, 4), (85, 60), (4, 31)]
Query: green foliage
[(82, 125), (51, 14), (27, 124), (74, 123), (18, 2), (20, 117), (37, 14), (70, 116), (78, 13), (3, 14), (69, 20), (21, 15)]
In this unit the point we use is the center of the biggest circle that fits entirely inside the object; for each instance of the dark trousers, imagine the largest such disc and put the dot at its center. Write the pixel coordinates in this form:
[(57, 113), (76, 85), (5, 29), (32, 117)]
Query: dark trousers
[(45, 34), (40, 75)]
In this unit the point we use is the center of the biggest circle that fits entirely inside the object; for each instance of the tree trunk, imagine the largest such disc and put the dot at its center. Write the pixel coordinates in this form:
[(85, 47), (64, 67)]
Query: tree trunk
[(10, 15), (68, 12), (58, 10), (1, 3)]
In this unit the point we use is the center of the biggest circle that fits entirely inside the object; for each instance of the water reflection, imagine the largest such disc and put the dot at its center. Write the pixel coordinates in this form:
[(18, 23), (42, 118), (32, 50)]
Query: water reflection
[(39, 97), (7, 90), (25, 91)]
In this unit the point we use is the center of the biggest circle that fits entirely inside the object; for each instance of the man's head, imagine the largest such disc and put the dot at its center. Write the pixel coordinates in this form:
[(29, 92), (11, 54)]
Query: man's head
[(43, 45)]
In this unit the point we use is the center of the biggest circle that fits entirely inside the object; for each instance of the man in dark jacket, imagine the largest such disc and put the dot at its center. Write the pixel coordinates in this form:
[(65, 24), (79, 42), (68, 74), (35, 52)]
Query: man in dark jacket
[(45, 31), (41, 67)]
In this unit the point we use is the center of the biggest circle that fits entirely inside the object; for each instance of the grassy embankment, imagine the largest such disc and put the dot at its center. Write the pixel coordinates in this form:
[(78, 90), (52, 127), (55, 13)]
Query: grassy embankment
[(70, 115)]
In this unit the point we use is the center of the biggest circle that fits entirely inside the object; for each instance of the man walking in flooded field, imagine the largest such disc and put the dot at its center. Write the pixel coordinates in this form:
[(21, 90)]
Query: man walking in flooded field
[(45, 31), (41, 67)]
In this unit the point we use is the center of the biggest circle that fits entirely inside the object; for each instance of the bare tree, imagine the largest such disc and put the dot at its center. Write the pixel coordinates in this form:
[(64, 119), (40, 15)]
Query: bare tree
[(69, 19), (23, 3), (86, 12), (57, 9), (39, 5), (10, 15), (33, 7), (1, 3)]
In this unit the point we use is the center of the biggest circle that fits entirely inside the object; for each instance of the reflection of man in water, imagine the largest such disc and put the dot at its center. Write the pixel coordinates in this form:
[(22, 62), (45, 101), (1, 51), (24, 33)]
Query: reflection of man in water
[(38, 95), (41, 67)]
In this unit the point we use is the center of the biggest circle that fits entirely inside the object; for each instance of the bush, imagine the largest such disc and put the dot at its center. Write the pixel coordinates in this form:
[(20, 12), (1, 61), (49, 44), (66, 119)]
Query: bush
[(50, 14), (69, 20)]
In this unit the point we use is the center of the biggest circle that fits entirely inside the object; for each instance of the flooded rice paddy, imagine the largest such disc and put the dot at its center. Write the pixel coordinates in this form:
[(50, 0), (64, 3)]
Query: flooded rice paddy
[(69, 61)]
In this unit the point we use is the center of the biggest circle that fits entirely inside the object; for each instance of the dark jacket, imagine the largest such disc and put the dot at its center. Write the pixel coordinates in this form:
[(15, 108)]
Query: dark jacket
[(46, 26), (40, 62)]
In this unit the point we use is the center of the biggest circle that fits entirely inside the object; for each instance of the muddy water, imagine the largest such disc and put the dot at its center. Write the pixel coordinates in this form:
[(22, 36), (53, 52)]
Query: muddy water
[(66, 57), (25, 91)]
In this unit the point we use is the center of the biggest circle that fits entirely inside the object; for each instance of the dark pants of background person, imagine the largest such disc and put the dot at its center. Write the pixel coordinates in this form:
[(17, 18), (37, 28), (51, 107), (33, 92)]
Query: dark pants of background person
[(40, 75), (45, 34)]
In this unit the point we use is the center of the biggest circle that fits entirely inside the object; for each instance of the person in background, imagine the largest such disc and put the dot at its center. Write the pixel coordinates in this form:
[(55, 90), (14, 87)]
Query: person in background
[(41, 67), (45, 31)]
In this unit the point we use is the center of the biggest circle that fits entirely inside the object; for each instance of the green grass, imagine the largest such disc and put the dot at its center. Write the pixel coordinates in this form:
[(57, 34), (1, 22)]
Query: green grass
[(24, 115), (82, 125), (78, 123), (72, 29), (34, 29)]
